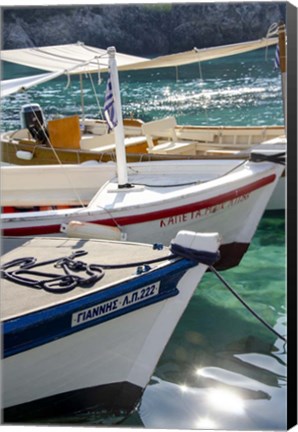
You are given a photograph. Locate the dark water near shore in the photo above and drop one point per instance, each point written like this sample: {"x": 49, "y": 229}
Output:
{"x": 222, "y": 369}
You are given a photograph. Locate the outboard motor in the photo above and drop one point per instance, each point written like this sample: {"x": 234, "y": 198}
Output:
{"x": 32, "y": 118}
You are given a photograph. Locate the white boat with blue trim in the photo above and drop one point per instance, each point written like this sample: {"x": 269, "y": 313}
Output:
{"x": 85, "y": 322}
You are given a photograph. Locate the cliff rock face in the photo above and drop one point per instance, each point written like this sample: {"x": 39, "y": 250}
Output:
{"x": 140, "y": 29}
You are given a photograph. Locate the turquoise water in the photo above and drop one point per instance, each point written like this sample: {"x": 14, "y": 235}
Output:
{"x": 222, "y": 369}
{"x": 239, "y": 90}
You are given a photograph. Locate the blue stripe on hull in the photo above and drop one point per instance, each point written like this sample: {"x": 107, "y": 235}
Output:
{"x": 38, "y": 328}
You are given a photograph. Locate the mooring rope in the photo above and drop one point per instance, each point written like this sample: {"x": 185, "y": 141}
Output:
{"x": 254, "y": 313}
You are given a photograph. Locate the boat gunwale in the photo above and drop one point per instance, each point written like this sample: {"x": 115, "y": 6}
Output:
{"x": 114, "y": 220}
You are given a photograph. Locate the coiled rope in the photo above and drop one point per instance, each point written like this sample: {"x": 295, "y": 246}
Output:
{"x": 61, "y": 283}
{"x": 69, "y": 279}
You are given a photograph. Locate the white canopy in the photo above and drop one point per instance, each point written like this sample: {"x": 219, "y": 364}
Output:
{"x": 21, "y": 84}
{"x": 204, "y": 54}
{"x": 67, "y": 57}
{"x": 72, "y": 58}
{"x": 80, "y": 58}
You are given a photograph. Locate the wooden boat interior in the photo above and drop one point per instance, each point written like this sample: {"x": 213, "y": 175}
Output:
{"x": 69, "y": 132}
{"x": 166, "y": 137}
{"x": 71, "y": 140}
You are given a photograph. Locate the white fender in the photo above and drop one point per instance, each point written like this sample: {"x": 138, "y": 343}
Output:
{"x": 25, "y": 155}
{"x": 197, "y": 241}
{"x": 87, "y": 230}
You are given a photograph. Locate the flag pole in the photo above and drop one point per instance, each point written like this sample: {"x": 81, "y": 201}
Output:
{"x": 119, "y": 129}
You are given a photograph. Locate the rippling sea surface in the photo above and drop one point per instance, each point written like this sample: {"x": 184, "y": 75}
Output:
{"x": 222, "y": 369}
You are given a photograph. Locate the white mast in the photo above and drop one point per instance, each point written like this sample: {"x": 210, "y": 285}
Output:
{"x": 119, "y": 130}
{"x": 283, "y": 67}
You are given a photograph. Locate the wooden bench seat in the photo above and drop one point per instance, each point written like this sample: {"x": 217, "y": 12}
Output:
{"x": 165, "y": 129}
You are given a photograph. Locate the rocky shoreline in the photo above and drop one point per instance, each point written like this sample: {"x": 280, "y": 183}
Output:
{"x": 140, "y": 29}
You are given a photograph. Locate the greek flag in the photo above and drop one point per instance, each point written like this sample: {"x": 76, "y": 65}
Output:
{"x": 109, "y": 106}
{"x": 276, "y": 59}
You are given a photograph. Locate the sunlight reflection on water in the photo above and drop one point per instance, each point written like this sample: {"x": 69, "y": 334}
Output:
{"x": 168, "y": 405}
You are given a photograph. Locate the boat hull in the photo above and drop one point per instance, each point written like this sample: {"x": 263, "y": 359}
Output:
{"x": 277, "y": 200}
{"x": 73, "y": 185}
{"x": 95, "y": 352}
{"x": 233, "y": 209}
{"x": 53, "y": 185}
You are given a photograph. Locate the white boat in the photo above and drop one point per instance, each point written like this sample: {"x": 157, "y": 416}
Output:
{"x": 62, "y": 186}
{"x": 79, "y": 335}
{"x": 167, "y": 196}
{"x": 53, "y": 185}
{"x": 277, "y": 200}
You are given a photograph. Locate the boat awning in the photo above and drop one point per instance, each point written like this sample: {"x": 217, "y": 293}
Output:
{"x": 204, "y": 54}
{"x": 80, "y": 58}
{"x": 72, "y": 58}
{"x": 18, "y": 85}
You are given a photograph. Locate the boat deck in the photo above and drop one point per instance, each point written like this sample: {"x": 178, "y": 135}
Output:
{"x": 17, "y": 299}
